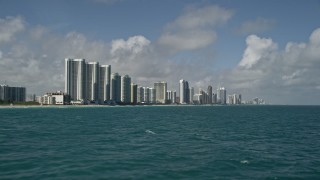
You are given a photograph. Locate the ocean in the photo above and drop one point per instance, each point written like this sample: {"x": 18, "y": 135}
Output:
{"x": 160, "y": 142}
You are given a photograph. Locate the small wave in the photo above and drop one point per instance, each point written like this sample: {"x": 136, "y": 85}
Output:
{"x": 244, "y": 162}
{"x": 150, "y": 132}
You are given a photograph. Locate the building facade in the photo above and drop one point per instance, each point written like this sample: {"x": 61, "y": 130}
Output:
{"x": 93, "y": 82}
{"x": 115, "y": 87}
{"x": 184, "y": 92}
{"x": 75, "y": 79}
{"x": 55, "y": 98}
{"x": 221, "y": 95}
{"x": 161, "y": 92}
{"x": 134, "y": 93}
{"x": 152, "y": 95}
{"x": 17, "y": 94}
{"x": 105, "y": 83}
{"x": 125, "y": 89}
{"x": 209, "y": 91}
{"x": 87, "y": 82}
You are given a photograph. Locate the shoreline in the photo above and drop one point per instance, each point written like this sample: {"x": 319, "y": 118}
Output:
{"x": 105, "y": 106}
{"x": 150, "y": 105}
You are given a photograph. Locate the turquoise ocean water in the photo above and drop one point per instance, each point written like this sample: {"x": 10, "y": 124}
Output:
{"x": 160, "y": 142}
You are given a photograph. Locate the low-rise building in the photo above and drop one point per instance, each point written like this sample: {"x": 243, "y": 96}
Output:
{"x": 55, "y": 98}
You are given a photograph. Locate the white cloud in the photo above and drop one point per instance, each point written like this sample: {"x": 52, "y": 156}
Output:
{"x": 9, "y": 26}
{"x": 281, "y": 76}
{"x": 315, "y": 37}
{"x": 256, "y": 26}
{"x": 135, "y": 44}
{"x": 36, "y": 60}
{"x": 194, "y": 29}
{"x": 257, "y": 49}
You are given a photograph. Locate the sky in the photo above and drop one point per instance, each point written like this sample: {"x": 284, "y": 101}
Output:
{"x": 266, "y": 49}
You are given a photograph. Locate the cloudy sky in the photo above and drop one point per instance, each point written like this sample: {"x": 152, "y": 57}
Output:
{"x": 266, "y": 49}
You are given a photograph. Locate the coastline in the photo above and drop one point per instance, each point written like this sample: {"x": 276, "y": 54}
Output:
{"x": 99, "y": 106}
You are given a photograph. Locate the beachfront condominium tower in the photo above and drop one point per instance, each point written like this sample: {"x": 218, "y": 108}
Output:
{"x": 146, "y": 95}
{"x": 152, "y": 95}
{"x": 221, "y": 95}
{"x": 8, "y": 93}
{"x": 125, "y": 89}
{"x": 115, "y": 87}
{"x": 140, "y": 94}
{"x": 209, "y": 94}
{"x": 75, "y": 79}
{"x": 184, "y": 91}
{"x": 191, "y": 94}
{"x": 93, "y": 81}
{"x": 171, "y": 96}
{"x": 105, "y": 78}
{"x": 134, "y": 93}
{"x": 161, "y": 91}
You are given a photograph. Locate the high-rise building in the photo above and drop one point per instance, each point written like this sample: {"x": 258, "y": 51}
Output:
{"x": 146, "y": 95}
{"x": 140, "y": 94}
{"x": 197, "y": 99}
{"x": 8, "y": 93}
{"x": 93, "y": 81}
{"x": 152, "y": 95}
{"x": 169, "y": 96}
{"x": 134, "y": 93}
{"x": 191, "y": 92}
{"x": 184, "y": 91}
{"x": 161, "y": 92}
{"x": 214, "y": 98}
{"x": 209, "y": 95}
{"x": 75, "y": 79}
{"x": 125, "y": 89}
{"x": 105, "y": 81}
{"x": 221, "y": 95}
{"x": 202, "y": 97}
{"x": 87, "y": 81}
{"x": 230, "y": 99}
{"x": 115, "y": 87}
{"x": 172, "y": 95}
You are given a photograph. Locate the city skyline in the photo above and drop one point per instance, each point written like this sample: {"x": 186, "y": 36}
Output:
{"x": 265, "y": 49}
{"x": 89, "y": 83}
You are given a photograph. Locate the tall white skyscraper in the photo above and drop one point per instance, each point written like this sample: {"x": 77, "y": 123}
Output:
{"x": 161, "y": 91}
{"x": 105, "y": 81}
{"x": 152, "y": 95}
{"x": 75, "y": 79}
{"x": 184, "y": 92}
{"x": 93, "y": 81}
{"x": 125, "y": 89}
{"x": 115, "y": 87}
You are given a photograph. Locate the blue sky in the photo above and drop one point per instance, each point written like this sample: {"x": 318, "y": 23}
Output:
{"x": 228, "y": 43}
